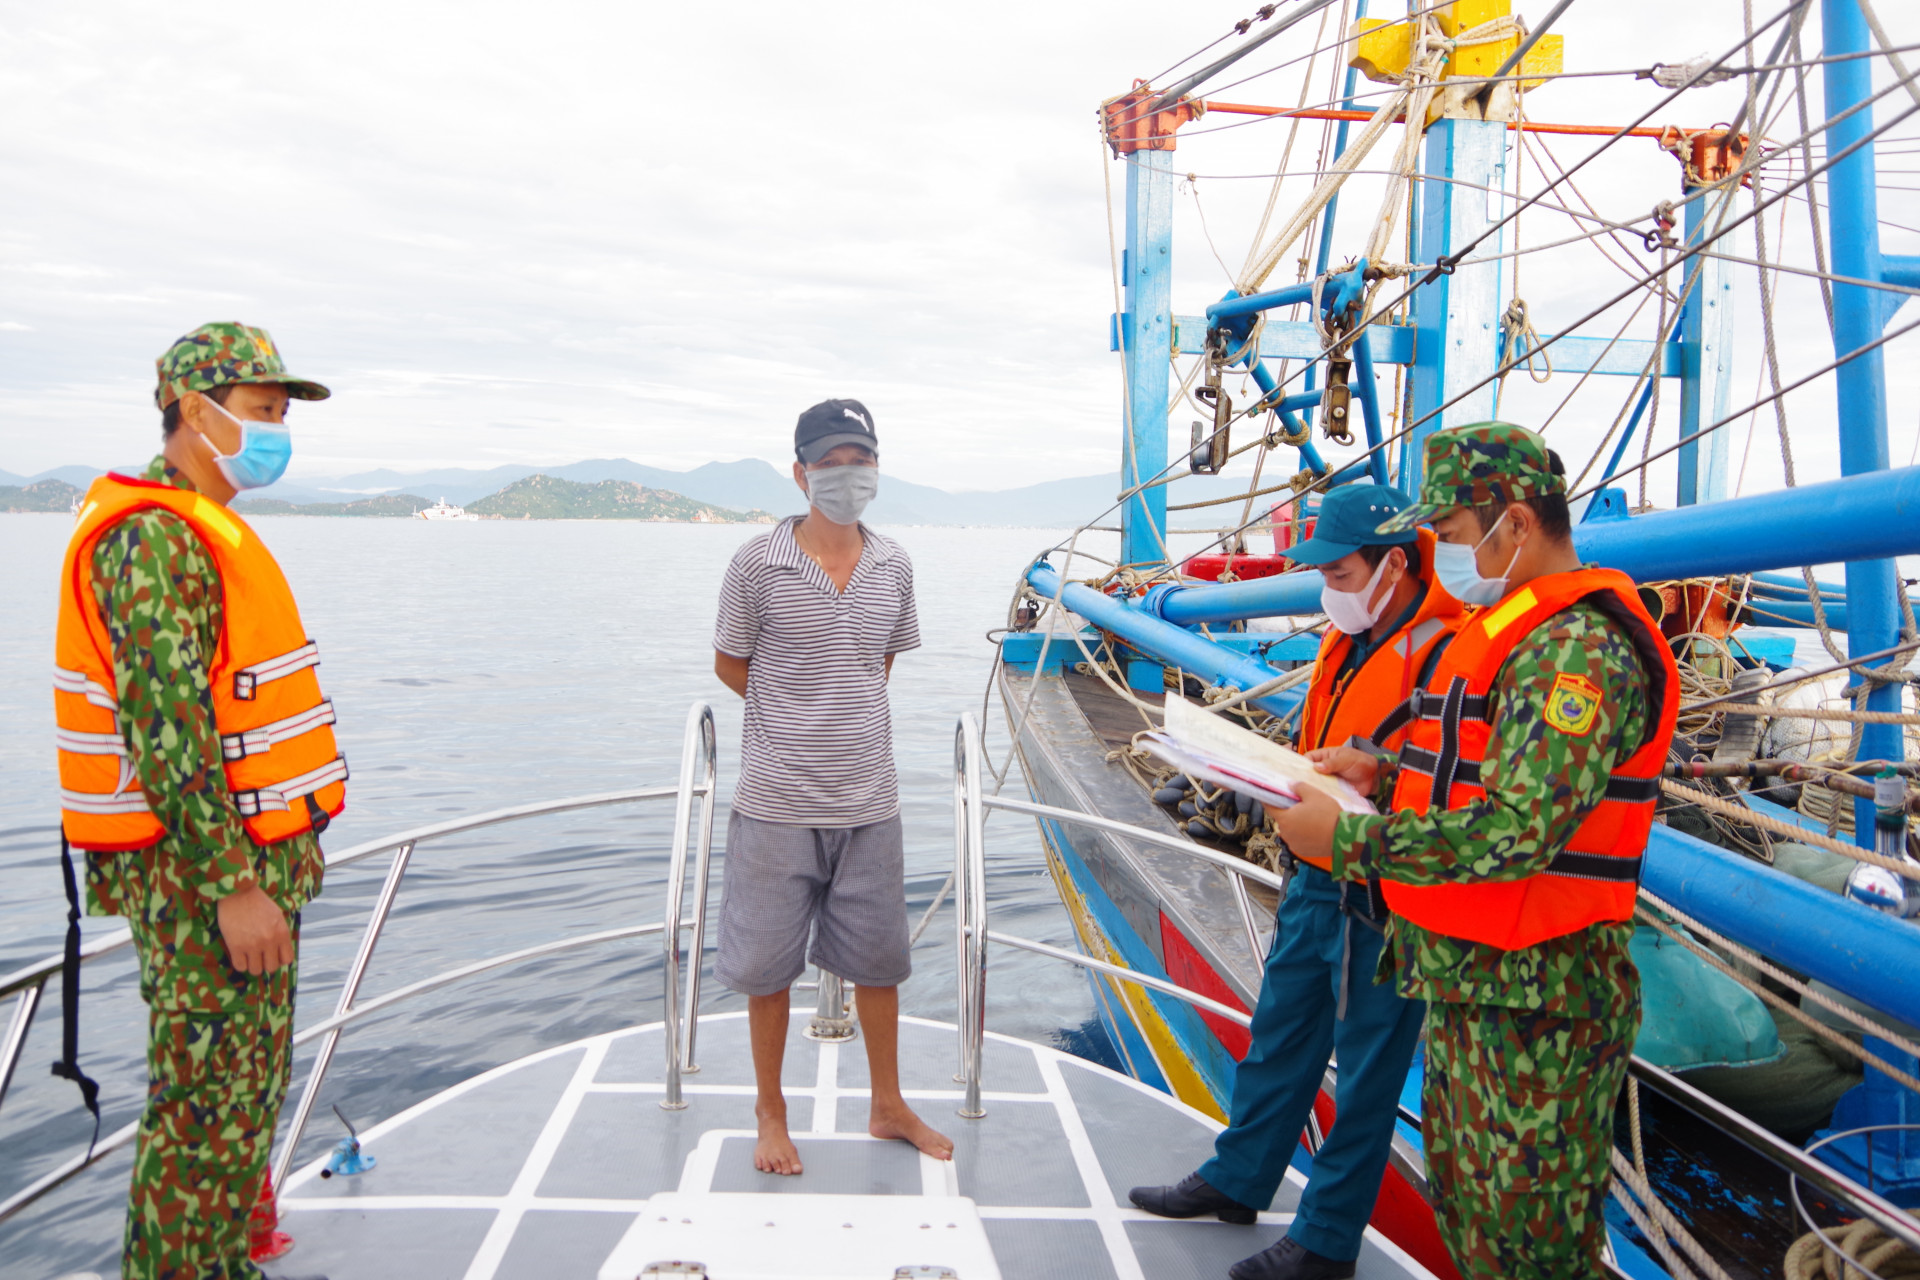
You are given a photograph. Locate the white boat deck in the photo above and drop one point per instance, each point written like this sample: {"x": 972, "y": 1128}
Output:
{"x": 564, "y": 1164}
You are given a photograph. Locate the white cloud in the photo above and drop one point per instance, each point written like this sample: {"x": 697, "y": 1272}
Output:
{"x": 660, "y": 230}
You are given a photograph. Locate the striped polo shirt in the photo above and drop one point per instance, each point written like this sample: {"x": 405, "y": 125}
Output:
{"x": 818, "y": 746}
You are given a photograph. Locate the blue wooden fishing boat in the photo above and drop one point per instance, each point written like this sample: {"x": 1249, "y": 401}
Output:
{"x": 1772, "y": 1092}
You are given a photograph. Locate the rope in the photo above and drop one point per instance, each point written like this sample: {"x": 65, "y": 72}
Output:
{"x": 1780, "y": 826}
{"x": 1824, "y": 713}
{"x": 1868, "y": 1249}
{"x": 1657, "y": 1209}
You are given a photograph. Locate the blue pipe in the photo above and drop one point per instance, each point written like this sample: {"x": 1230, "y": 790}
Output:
{"x": 1902, "y": 269}
{"x": 1856, "y": 518}
{"x": 1633, "y": 424}
{"x": 1282, "y": 594}
{"x": 1370, "y": 407}
{"x": 1170, "y": 644}
{"x": 1842, "y": 943}
{"x": 1864, "y": 517}
{"x": 1235, "y": 304}
{"x": 1268, "y": 384}
{"x": 1854, "y": 231}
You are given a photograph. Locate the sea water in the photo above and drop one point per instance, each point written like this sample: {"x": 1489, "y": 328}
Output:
{"x": 474, "y": 666}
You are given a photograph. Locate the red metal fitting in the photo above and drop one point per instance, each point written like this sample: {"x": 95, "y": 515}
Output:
{"x": 1707, "y": 156}
{"x": 1132, "y": 127}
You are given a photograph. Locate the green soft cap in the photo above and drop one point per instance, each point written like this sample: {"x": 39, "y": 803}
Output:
{"x": 1484, "y": 464}
{"x": 223, "y": 353}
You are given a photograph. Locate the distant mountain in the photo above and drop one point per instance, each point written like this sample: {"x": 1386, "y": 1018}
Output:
{"x": 544, "y": 497}
{"x": 43, "y": 495}
{"x": 387, "y": 504}
{"x": 748, "y": 484}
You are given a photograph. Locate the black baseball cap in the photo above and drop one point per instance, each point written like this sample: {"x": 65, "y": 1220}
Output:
{"x": 832, "y": 423}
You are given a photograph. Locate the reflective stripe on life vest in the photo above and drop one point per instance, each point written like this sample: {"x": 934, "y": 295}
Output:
{"x": 87, "y": 802}
{"x": 92, "y": 690}
{"x": 234, "y": 746}
{"x": 247, "y": 681}
{"x": 1593, "y": 879}
{"x": 269, "y": 799}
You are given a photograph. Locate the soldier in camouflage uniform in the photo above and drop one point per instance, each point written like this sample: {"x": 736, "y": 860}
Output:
{"x": 1527, "y": 1049}
{"x": 214, "y": 914}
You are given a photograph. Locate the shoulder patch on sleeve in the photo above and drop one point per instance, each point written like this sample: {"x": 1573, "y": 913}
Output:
{"x": 1572, "y": 703}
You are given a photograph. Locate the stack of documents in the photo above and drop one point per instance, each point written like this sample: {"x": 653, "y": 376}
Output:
{"x": 1212, "y": 748}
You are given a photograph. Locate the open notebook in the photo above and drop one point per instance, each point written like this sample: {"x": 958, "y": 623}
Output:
{"x": 1211, "y": 747}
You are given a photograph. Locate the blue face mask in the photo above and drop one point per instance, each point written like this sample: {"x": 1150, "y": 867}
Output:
{"x": 1458, "y": 571}
{"x": 265, "y": 450}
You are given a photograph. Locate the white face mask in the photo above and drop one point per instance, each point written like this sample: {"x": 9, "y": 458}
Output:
{"x": 1459, "y": 572}
{"x": 842, "y": 493}
{"x": 1348, "y": 610}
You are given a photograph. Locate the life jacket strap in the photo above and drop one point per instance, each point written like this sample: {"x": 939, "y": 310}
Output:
{"x": 1633, "y": 790}
{"x": 68, "y": 1067}
{"x": 253, "y": 742}
{"x": 272, "y": 799}
{"x": 1594, "y": 866}
{"x": 247, "y": 681}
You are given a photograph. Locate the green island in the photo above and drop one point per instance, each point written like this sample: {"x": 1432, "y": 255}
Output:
{"x": 47, "y": 495}
{"x": 542, "y": 497}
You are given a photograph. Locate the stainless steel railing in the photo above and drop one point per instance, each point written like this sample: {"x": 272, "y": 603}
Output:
{"x": 971, "y": 933}
{"x": 697, "y": 778}
{"x": 696, "y": 755}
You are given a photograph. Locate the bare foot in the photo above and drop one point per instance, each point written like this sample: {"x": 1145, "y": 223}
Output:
{"x": 899, "y": 1121}
{"x": 775, "y": 1152}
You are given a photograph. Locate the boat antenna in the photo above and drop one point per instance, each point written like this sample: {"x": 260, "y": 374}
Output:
{"x": 1186, "y": 85}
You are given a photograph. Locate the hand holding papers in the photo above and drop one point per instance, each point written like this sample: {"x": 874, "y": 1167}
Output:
{"x": 1204, "y": 745}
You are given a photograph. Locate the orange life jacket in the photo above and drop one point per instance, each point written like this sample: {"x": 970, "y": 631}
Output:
{"x": 1594, "y": 878}
{"x": 1340, "y": 707}
{"x": 283, "y": 769}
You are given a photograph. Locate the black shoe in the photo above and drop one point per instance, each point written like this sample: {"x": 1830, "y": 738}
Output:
{"x": 1190, "y": 1198}
{"x": 1288, "y": 1259}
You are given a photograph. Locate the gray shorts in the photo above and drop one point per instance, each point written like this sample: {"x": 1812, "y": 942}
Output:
{"x": 846, "y": 886}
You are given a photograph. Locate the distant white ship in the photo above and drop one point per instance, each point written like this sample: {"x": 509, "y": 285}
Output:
{"x": 442, "y": 511}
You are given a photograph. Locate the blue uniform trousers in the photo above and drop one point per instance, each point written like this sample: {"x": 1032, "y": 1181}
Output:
{"x": 1318, "y": 998}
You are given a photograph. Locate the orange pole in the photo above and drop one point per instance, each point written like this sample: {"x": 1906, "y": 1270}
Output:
{"x": 1328, "y": 113}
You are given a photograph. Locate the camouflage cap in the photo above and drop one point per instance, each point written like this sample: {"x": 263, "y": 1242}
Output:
{"x": 215, "y": 355}
{"x": 1481, "y": 465}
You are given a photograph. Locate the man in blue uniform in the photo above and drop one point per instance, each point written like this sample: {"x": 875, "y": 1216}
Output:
{"x": 1387, "y": 617}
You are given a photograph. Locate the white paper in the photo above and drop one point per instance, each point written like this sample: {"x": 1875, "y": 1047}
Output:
{"x": 1223, "y": 752}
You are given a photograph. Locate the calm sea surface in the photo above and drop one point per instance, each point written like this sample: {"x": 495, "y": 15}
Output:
{"x": 476, "y": 666}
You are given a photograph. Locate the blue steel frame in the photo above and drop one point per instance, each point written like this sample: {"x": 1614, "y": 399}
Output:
{"x": 1873, "y": 586}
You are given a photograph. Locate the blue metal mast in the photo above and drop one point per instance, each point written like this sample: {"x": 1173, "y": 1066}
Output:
{"x": 1146, "y": 336}
{"x": 1873, "y": 614}
{"x": 1706, "y": 345}
{"x": 1457, "y": 317}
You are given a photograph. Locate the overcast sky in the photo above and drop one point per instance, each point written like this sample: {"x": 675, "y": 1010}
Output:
{"x": 518, "y": 233}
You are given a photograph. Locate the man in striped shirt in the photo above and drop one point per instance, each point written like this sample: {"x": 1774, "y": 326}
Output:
{"x": 811, "y": 617}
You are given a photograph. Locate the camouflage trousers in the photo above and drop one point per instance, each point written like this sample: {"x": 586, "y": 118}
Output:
{"x": 1518, "y": 1122}
{"x": 215, "y": 1085}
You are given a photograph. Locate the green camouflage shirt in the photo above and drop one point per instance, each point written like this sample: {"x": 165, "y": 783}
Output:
{"x": 1541, "y": 783}
{"x": 157, "y": 589}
